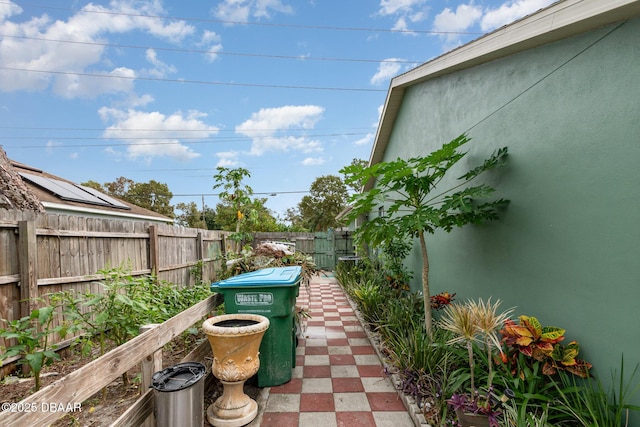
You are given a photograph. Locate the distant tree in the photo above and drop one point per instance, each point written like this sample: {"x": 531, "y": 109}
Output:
{"x": 327, "y": 198}
{"x": 359, "y": 163}
{"x": 151, "y": 195}
{"x": 190, "y": 216}
{"x": 210, "y": 218}
{"x": 94, "y": 185}
{"x": 120, "y": 187}
{"x": 294, "y": 219}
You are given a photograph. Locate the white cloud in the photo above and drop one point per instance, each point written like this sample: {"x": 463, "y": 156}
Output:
{"x": 228, "y": 159}
{"x": 386, "y": 70}
{"x": 510, "y": 11}
{"x": 366, "y": 140}
{"x": 464, "y": 17}
{"x": 160, "y": 69}
{"x": 130, "y": 17}
{"x": 211, "y": 41}
{"x": 313, "y": 161}
{"x": 9, "y": 9}
{"x": 74, "y": 86}
{"x": 136, "y": 100}
{"x": 243, "y": 10}
{"x": 85, "y": 28}
{"x": 51, "y": 145}
{"x": 400, "y": 25}
{"x": 263, "y": 8}
{"x": 404, "y": 11}
{"x": 266, "y": 129}
{"x": 155, "y": 134}
{"x": 392, "y": 7}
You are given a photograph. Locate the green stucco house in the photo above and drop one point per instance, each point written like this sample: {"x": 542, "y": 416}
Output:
{"x": 561, "y": 89}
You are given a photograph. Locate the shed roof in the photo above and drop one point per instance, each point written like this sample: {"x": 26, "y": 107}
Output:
{"x": 57, "y": 200}
{"x": 560, "y": 20}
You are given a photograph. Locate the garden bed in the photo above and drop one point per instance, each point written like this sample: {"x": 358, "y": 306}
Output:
{"x": 101, "y": 412}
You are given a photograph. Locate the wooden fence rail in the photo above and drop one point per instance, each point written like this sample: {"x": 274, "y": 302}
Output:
{"x": 71, "y": 390}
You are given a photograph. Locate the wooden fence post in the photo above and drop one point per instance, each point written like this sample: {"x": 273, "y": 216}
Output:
{"x": 154, "y": 250}
{"x": 151, "y": 364}
{"x": 27, "y": 256}
{"x": 200, "y": 253}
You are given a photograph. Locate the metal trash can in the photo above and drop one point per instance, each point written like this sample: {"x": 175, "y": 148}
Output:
{"x": 178, "y": 393}
{"x": 270, "y": 292}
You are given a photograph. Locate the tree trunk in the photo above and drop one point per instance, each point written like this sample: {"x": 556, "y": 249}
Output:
{"x": 425, "y": 283}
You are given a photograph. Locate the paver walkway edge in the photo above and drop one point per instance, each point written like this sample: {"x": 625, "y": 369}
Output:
{"x": 339, "y": 378}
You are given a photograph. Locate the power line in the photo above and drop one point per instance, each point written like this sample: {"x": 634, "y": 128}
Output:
{"x": 202, "y": 82}
{"x": 265, "y": 193}
{"x": 154, "y": 143}
{"x": 155, "y": 130}
{"x": 213, "y": 52}
{"x": 262, "y": 24}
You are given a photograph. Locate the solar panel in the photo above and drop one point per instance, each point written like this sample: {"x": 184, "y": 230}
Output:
{"x": 71, "y": 192}
{"x": 116, "y": 203}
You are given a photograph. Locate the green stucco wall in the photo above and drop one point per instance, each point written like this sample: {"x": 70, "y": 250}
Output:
{"x": 567, "y": 249}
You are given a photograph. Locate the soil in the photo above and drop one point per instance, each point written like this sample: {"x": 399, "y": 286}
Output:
{"x": 98, "y": 411}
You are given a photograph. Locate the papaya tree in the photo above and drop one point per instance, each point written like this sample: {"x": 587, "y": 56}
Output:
{"x": 235, "y": 194}
{"x": 408, "y": 199}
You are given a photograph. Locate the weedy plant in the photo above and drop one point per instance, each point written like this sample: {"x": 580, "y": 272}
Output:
{"x": 32, "y": 336}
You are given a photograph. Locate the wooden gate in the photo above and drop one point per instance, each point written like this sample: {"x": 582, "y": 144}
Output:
{"x": 324, "y": 251}
{"x": 330, "y": 246}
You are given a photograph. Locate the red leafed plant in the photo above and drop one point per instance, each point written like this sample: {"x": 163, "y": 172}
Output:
{"x": 438, "y": 302}
{"x": 530, "y": 338}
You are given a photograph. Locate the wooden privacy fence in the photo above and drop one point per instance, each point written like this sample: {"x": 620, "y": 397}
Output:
{"x": 326, "y": 247}
{"x": 71, "y": 390}
{"x": 45, "y": 253}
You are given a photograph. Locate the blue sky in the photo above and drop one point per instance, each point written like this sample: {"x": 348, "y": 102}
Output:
{"x": 168, "y": 90}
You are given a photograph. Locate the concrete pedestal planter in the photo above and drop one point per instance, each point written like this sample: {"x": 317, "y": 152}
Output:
{"x": 235, "y": 341}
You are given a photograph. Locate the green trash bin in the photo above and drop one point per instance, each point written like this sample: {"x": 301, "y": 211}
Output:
{"x": 270, "y": 292}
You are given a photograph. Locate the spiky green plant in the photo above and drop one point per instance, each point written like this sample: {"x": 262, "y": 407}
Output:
{"x": 459, "y": 319}
{"x": 475, "y": 321}
{"x": 488, "y": 322}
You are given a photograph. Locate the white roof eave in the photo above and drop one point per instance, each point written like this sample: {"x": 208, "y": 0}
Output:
{"x": 63, "y": 209}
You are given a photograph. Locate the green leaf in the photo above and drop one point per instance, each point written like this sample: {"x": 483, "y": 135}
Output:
{"x": 50, "y": 354}
{"x": 124, "y": 299}
{"x": 552, "y": 334}
{"x": 102, "y": 317}
{"x": 45, "y": 314}
{"x": 35, "y": 361}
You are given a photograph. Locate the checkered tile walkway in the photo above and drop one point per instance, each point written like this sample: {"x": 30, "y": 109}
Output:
{"x": 338, "y": 379}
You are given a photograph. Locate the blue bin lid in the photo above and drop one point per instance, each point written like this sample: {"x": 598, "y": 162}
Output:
{"x": 275, "y": 276}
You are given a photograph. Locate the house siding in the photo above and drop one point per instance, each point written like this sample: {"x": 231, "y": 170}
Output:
{"x": 567, "y": 248}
